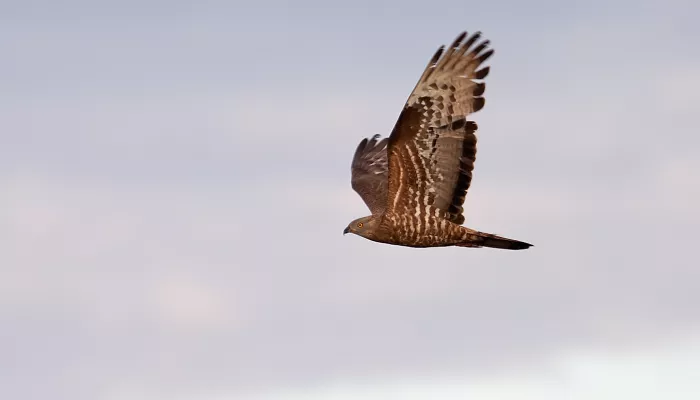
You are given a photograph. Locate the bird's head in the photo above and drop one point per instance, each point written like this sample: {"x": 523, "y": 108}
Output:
{"x": 364, "y": 227}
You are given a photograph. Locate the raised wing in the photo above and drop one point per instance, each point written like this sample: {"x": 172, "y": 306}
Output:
{"x": 433, "y": 147}
{"x": 369, "y": 173}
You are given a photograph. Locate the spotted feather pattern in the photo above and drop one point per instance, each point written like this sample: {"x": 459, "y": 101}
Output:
{"x": 415, "y": 182}
{"x": 432, "y": 148}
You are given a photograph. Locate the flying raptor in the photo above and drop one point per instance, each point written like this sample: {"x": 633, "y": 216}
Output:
{"x": 415, "y": 181}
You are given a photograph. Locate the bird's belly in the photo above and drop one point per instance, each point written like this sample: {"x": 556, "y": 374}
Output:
{"x": 433, "y": 234}
{"x": 422, "y": 241}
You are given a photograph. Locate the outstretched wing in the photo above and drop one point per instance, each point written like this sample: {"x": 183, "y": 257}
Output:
{"x": 369, "y": 173}
{"x": 433, "y": 147}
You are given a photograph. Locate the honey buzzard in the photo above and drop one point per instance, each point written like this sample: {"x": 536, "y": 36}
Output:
{"x": 415, "y": 181}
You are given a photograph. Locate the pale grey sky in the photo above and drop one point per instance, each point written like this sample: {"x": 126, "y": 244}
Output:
{"x": 176, "y": 180}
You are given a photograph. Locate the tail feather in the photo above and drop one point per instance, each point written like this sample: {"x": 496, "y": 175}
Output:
{"x": 480, "y": 239}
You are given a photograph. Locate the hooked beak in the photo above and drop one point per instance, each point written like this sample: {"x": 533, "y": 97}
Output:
{"x": 346, "y": 230}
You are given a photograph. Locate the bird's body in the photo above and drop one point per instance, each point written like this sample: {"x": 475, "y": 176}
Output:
{"x": 431, "y": 231}
{"x": 415, "y": 182}
{"x": 421, "y": 231}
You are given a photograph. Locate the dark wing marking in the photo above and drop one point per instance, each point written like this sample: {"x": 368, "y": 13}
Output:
{"x": 369, "y": 173}
{"x": 433, "y": 147}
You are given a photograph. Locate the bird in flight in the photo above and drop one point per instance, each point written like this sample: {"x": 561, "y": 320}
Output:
{"x": 415, "y": 181}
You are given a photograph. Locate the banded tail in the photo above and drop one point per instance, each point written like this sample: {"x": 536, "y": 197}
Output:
{"x": 480, "y": 239}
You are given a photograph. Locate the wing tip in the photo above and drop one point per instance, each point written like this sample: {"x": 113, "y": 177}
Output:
{"x": 458, "y": 41}
{"x": 478, "y": 104}
{"x": 436, "y": 56}
{"x": 482, "y": 73}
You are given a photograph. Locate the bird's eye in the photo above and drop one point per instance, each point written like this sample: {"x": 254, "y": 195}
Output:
{"x": 359, "y": 224}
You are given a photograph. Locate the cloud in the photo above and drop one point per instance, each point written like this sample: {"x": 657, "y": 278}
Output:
{"x": 666, "y": 369}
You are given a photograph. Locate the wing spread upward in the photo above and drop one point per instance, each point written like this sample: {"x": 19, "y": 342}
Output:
{"x": 432, "y": 148}
{"x": 369, "y": 173}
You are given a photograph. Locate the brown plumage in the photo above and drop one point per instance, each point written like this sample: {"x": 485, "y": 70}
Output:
{"x": 415, "y": 181}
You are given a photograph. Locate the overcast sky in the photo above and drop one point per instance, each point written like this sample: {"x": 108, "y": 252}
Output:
{"x": 175, "y": 181}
